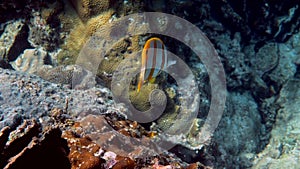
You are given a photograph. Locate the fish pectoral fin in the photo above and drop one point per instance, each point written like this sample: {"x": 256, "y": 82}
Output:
{"x": 152, "y": 79}
{"x": 171, "y": 62}
{"x": 139, "y": 86}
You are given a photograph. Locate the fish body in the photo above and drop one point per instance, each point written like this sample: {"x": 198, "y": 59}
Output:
{"x": 154, "y": 59}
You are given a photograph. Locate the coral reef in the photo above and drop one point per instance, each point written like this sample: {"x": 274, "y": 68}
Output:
{"x": 258, "y": 44}
{"x": 91, "y": 139}
{"x": 266, "y": 58}
{"x": 82, "y": 152}
{"x": 39, "y": 90}
{"x": 283, "y": 148}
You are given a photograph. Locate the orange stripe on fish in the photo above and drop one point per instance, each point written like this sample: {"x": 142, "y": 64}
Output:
{"x": 154, "y": 59}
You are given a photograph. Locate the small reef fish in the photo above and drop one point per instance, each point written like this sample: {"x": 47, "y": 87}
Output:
{"x": 154, "y": 59}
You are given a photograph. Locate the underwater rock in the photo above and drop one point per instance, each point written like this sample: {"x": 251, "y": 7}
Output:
{"x": 85, "y": 137}
{"x": 239, "y": 130}
{"x": 156, "y": 5}
{"x": 286, "y": 68}
{"x": 33, "y": 27}
{"x": 72, "y": 75}
{"x": 266, "y": 58}
{"x": 50, "y": 12}
{"x": 30, "y": 60}
{"x": 84, "y": 153}
{"x": 97, "y": 128}
{"x": 264, "y": 20}
{"x": 29, "y": 146}
{"x": 44, "y": 27}
{"x": 59, "y": 75}
{"x": 4, "y": 134}
{"x": 21, "y": 137}
{"x": 224, "y": 11}
{"x": 283, "y": 148}
{"x": 273, "y": 65}
{"x": 125, "y": 138}
{"x": 236, "y": 63}
{"x": 21, "y": 93}
{"x": 262, "y": 62}
{"x": 261, "y": 68}
{"x": 130, "y": 128}
{"x": 13, "y": 9}
{"x": 260, "y": 89}
{"x": 13, "y": 40}
{"x": 124, "y": 162}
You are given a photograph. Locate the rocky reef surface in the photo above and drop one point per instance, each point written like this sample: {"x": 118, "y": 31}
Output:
{"x": 54, "y": 110}
{"x": 35, "y": 113}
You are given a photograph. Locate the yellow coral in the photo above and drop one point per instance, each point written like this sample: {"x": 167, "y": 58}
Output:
{"x": 141, "y": 99}
{"x": 88, "y": 8}
{"x": 80, "y": 34}
{"x": 94, "y": 23}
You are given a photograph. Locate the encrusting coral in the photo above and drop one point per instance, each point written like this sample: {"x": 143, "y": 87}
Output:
{"x": 88, "y": 8}
{"x": 97, "y": 129}
{"x": 141, "y": 99}
{"x": 93, "y": 14}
